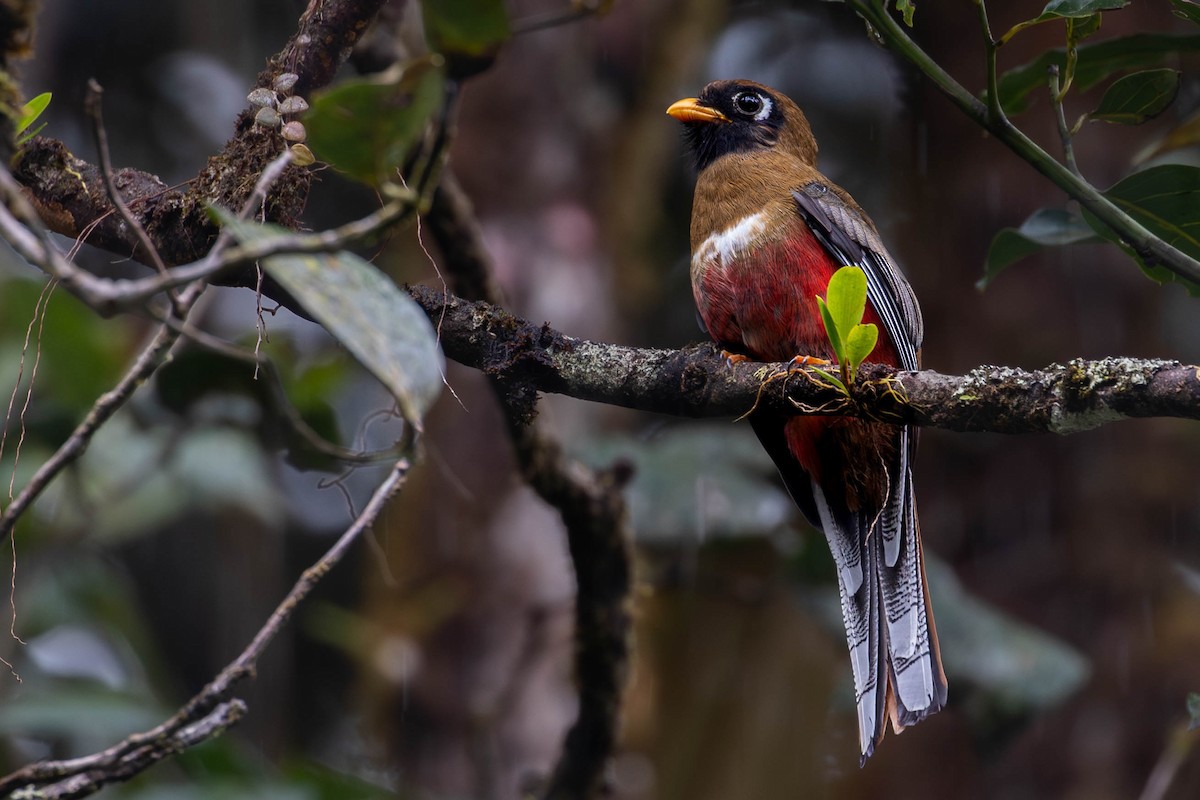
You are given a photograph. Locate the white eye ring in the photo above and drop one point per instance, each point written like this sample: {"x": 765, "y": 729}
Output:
{"x": 765, "y": 111}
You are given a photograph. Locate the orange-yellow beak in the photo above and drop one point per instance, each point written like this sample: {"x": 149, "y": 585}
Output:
{"x": 689, "y": 109}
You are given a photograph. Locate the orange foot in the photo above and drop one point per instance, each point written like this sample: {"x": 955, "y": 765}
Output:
{"x": 734, "y": 358}
{"x": 808, "y": 361}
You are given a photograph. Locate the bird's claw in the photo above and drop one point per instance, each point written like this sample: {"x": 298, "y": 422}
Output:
{"x": 733, "y": 358}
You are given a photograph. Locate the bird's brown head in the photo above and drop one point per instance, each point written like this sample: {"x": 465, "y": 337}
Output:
{"x": 741, "y": 116}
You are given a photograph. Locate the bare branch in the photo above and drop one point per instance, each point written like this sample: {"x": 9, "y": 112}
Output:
{"x": 209, "y": 713}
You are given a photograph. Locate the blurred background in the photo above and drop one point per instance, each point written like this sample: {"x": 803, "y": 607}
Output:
{"x": 436, "y": 663}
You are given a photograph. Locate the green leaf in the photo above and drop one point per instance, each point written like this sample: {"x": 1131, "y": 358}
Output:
{"x": 29, "y": 114}
{"x": 907, "y": 8}
{"x": 859, "y": 345}
{"x": 1095, "y": 63}
{"x": 1164, "y": 200}
{"x": 841, "y": 312}
{"x": 465, "y": 27}
{"x": 96, "y": 350}
{"x": 1139, "y": 97}
{"x": 1083, "y": 17}
{"x": 833, "y": 379}
{"x": 319, "y": 782}
{"x": 1193, "y": 709}
{"x": 847, "y": 298}
{"x": 200, "y": 381}
{"x": 1046, "y": 227}
{"x": 363, "y": 309}
{"x": 368, "y": 127}
{"x": 468, "y": 33}
{"x": 1188, "y": 9}
{"x": 150, "y": 478}
{"x": 1079, "y": 28}
{"x": 831, "y": 329}
{"x": 1081, "y": 8}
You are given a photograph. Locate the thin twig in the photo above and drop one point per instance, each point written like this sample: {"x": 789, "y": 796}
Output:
{"x": 1064, "y": 133}
{"x": 1180, "y": 744}
{"x": 67, "y": 780}
{"x": 269, "y": 374}
{"x": 144, "y": 365}
{"x": 149, "y": 360}
{"x": 20, "y": 225}
{"x": 994, "y": 109}
{"x": 205, "y": 715}
{"x": 93, "y": 104}
{"x": 552, "y": 19}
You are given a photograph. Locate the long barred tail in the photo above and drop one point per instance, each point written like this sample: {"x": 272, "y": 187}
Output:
{"x": 885, "y": 607}
{"x": 890, "y": 632}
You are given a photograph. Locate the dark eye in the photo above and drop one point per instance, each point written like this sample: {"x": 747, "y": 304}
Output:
{"x": 748, "y": 103}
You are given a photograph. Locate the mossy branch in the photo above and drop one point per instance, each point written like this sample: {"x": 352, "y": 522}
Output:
{"x": 699, "y": 382}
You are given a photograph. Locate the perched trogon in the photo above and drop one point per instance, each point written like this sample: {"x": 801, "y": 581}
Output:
{"x": 768, "y": 231}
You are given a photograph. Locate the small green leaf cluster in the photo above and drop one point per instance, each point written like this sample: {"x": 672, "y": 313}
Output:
{"x": 842, "y": 311}
{"x": 1161, "y": 197}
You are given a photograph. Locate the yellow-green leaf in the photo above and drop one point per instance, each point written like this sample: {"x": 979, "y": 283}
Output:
{"x": 847, "y": 298}
{"x": 29, "y": 114}
{"x": 831, "y": 330}
{"x": 859, "y": 344}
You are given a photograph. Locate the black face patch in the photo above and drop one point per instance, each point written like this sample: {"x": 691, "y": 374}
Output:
{"x": 755, "y": 120}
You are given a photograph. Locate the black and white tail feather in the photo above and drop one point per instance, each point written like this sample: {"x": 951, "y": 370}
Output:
{"x": 889, "y": 624}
